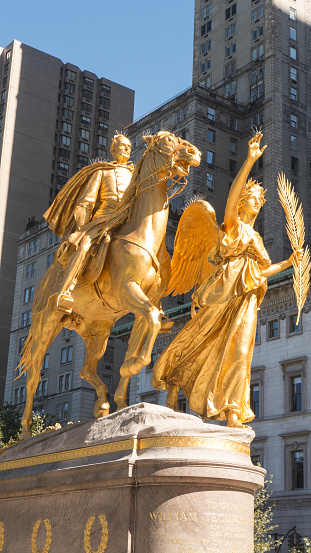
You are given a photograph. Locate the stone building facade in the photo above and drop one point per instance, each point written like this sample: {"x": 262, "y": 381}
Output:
{"x": 53, "y": 119}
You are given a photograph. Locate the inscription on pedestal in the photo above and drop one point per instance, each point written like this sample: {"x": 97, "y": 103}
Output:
{"x": 220, "y": 527}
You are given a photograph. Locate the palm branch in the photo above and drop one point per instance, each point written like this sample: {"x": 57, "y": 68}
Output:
{"x": 296, "y": 233}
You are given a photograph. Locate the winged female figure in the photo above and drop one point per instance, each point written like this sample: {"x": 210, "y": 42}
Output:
{"x": 210, "y": 358}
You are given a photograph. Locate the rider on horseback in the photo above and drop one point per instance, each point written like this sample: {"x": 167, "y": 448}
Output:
{"x": 92, "y": 200}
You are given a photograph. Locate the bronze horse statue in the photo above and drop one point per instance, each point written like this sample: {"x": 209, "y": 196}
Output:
{"x": 134, "y": 278}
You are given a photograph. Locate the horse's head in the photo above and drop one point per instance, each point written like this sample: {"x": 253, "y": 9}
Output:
{"x": 174, "y": 153}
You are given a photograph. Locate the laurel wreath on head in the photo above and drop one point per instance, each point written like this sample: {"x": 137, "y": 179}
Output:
{"x": 1, "y": 536}
{"x": 87, "y": 535}
{"x": 48, "y": 539}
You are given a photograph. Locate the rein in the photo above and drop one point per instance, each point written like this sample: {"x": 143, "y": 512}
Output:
{"x": 166, "y": 166}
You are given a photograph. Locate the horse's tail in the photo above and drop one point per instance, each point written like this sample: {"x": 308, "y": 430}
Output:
{"x": 25, "y": 361}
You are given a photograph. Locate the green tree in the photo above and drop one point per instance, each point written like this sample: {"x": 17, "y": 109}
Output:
{"x": 263, "y": 520}
{"x": 10, "y": 422}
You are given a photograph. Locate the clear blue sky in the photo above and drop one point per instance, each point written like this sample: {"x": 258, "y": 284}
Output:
{"x": 143, "y": 44}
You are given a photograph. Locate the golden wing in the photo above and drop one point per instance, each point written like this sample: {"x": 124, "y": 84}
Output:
{"x": 196, "y": 235}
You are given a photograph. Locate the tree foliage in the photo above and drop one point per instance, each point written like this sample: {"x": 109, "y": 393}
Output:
{"x": 263, "y": 520}
{"x": 10, "y": 423}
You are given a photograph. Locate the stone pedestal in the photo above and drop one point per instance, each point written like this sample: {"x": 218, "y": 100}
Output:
{"x": 144, "y": 480}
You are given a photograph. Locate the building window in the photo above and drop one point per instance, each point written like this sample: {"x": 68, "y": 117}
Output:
{"x": 233, "y": 146}
{"x": 101, "y": 153}
{"x": 204, "y": 67}
{"x": 86, "y": 107}
{"x": 294, "y": 142}
{"x": 293, "y": 74}
{"x": 104, "y": 102}
{"x": 273, "y": 329}
{"x": 206, "y": 28}
{"x": 88, "y": 82}
{"x": 31, "y": 270}
{"x": 293, "y": 328}
{"x": 87, "y": 94}
{"x": 66, "y": 140}
{"x": 293, "y": 93}
{"x": 83, "y": 133}
{"x": 103, "y": 114}
{"x": 210, "y": 181}
{"x": 233, "y": 123}
{"x": 67, "y": 333}
{"x": 85, "y": 120}
{"x": 105, "y": 88}
{"x": 257, "y": 32}
{"x": 257, "y": 120}
{"x": 211, "y": 136}
{"x": 50, "y": 260}
{"x": 62, "y": 166}
{"x": 181, "y": 115}
{"x": 292, "y": 14}
{"x": 70, "y": 74}
{"x": 211, "y": 114}
{"x": 26, "y": 319}
{"x": 230, "y": 31}
{"x": 230, "y": 12}
{"x": 64, "y": 382}
{"x": 33, "y": 246}
{"x": 83, "y": 147}
{"x": 45, "y": 364}
{"x": 230, "y": 68}
{"x": 297, "y": 463}
{"x": 294, "y": 374}
{"x": 16, "y": 395}
{"x": 206, "y": 83}
{"x": 232, "y": 166}
{"x": 206, "y": 46}
{"x": 68, "y": 100}
{"x": 255, "y": 399}
{"x": 66, "y": 355}
{"x": 8, "y": 55}
{"x": 210, "y": 158}
{"x": 82, "y": 160}
{"x": 102, "y": 127}
{"x": 230, "y": 89}
{"x": 68, "y": 113}
{"x": 294, "y": 165}
{"x": 70, "y": 87}
{"x": 293, "y": 53}
{"x": 67, "y": 127}
{"x": 292, "y": 33}
{"x": 206, "y": 11}
{"x": 102, "y": 140}
{"x": 296, "y": 398}
{"x": 28, "y": 294}
{"x": 257, "y": 13}
{"x": 177, "y": 203}
{"x": 22, "y": 341}
{"x": 182, "y": 405}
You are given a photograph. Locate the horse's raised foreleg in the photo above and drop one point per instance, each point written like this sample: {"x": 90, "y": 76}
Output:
{"x": 95, "y": 336}
{"x": 139, "y": 303}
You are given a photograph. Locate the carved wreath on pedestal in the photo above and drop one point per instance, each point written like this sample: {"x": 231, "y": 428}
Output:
{"x": 48, "y": 538}
{"x": 87, "y": 535}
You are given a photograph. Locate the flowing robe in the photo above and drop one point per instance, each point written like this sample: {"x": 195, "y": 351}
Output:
{"x": 210, "y": 358}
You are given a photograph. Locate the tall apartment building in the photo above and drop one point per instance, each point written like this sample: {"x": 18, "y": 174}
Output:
{"x": 61, "y": 393}
{"x": 53, "y": 119}
{"x": 257, "y": 52}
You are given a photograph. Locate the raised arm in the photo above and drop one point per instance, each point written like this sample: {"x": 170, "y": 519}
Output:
{"x": 231, "y": 213}
{"x": 282, "y": 265}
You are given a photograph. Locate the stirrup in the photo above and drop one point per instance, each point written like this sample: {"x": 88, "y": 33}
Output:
{"x": 64, "y": 304}
{"x": 167, "y": 325}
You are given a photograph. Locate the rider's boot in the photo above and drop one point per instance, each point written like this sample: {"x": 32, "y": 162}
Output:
{"x": 65, "y": 300}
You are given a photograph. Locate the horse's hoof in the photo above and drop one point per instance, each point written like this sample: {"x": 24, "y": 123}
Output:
{"x": 101, "y": 410}
{"x": 24, "y": 435}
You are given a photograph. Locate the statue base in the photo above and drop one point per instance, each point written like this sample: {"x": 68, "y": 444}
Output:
{"x": 145, "y": 479}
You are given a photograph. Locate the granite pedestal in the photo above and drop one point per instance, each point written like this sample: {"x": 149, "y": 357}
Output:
{"x": 144, "y": 480}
